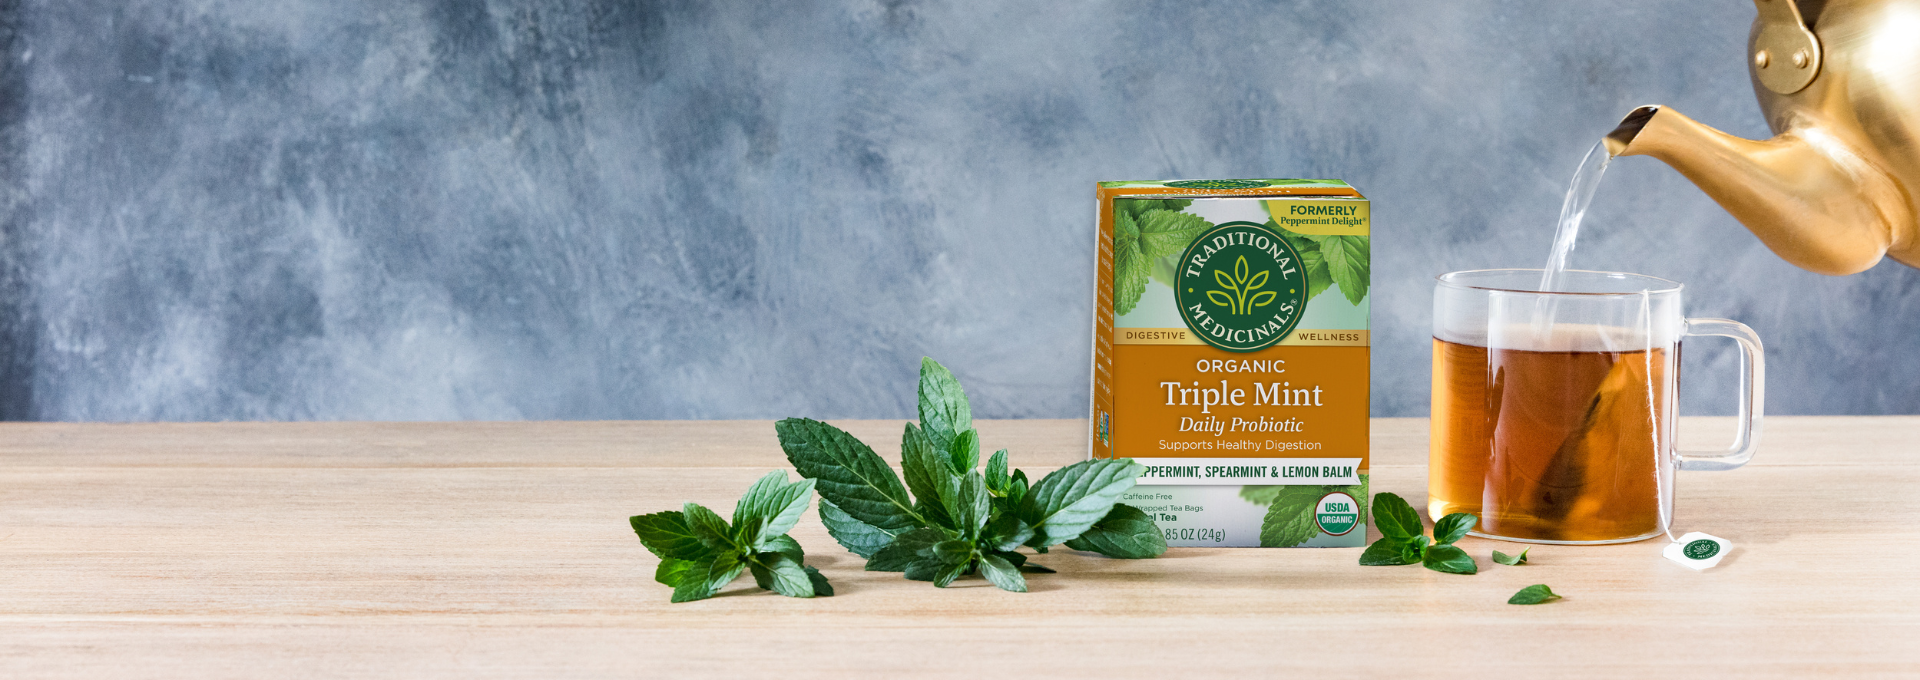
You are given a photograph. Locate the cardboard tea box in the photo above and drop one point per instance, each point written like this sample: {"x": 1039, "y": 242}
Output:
{"x": 1230, "y": 357}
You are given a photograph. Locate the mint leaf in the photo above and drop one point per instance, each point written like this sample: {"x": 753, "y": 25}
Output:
{"x": 1131, "y": 270}
{"x": 706, "y": 577}
{"x": 821, "y": 588}
{"x": 997, "y": 478}
{"x": 1396, "y": 519}
{"x": 925, "y": 568}
{"x": 927, "y": 470}
{"x": 906, "y": 550}
{"x": 849, "y": 474}
{"x": 1386, "y": 552}
{"x": 944, "y": 413}
{"x": 1007, "y": 533}
{"x": 1533, "y": 594}
{"x": 964, "y": 452}
{"x": 1290, "y": 518}
{"x": 1312, "y": 261}
{"x": 756, "y": 542}
{"x": 1166, "y": 232}
{"x": 774, "y": 506}
{"x": 1510, "y": 560}
{"x": 1138, "y": 206}
{"x": 968, "y": 502}
{"x": 667, "y": 536}
{"x": 1453, "y": 527}
{"x": 1449, "y": 559}
{"x": 1002, "y": 573}
{"x": 946, "y": 575}
{"x": 712, "y": 531}
{"x": 859, "y": 538}
{"x": 750, "y": 510}
{"x": 1347, "y": 261}
{"x": 1126, "y": 533}
{"x": 1020, "y": 562}
{"x": 789, "y": 577}
{"x": 1071, "y": 499}
{"x": 785, "y": 545}
{"x": 671, "y": 570}
{"x": 953, "y": 552}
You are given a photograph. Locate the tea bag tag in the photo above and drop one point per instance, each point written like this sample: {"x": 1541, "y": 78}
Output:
{"x": 1697, "y": 551}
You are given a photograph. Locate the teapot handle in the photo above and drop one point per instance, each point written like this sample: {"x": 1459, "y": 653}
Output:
{"x": 1753, "y": 384}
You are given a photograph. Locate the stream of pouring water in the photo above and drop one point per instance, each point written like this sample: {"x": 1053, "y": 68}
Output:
{"x": 1579, "y": 196}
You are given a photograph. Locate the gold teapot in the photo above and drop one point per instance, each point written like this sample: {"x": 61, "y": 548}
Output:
{"x": 1838, "y": 185}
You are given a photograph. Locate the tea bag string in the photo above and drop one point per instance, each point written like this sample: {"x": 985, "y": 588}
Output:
{"x": 1660, "y": 455}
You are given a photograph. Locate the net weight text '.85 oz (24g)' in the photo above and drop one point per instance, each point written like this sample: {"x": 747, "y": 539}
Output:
{"x": 1195, "y": 534}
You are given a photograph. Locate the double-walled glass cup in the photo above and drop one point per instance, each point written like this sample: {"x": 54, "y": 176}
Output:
{"x": 1553, "y": 413}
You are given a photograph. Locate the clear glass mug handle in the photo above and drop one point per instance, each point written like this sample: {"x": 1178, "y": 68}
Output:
{"x": 1753, "y": 385}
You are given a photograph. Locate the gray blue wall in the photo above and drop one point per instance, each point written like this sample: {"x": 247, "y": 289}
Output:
{"x": 472, "y": 209}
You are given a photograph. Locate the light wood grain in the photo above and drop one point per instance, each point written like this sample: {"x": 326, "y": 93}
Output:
{"x": 501, "y": 550}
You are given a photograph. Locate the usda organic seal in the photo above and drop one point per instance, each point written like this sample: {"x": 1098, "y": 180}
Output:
{"x": 1337, "y": 513}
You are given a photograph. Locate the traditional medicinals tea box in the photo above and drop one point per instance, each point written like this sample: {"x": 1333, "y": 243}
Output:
{"x": 1230, "y": 357}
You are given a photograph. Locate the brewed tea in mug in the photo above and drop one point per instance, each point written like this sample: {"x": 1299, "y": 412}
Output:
{"x": 1553, "y": 412}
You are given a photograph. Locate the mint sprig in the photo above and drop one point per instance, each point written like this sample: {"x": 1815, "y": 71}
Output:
{"x": 700, "y": 553}
{"x": 1404, "y": 541}
{"x": 950, "y": 518}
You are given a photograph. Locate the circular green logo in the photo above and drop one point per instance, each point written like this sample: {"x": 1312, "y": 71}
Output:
{"x": 1241, "y": 287}
{"x": 1701, "y": 549}
{"x": 1337, "y": 513}
{"x": 1218, "y": 184}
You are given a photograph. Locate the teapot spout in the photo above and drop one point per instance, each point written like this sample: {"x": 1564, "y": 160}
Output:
{"x": 1810, "y": 198}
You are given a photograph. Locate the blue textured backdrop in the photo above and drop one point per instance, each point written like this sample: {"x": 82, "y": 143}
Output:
{"x": 333, "y": 209}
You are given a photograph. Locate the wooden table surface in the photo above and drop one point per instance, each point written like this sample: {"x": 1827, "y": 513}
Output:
{"x": 253, "y": 550}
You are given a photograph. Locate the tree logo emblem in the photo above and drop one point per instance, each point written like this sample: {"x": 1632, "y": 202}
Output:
{"x": 1241, "y": 287}
{"x": 1219, "y": 184}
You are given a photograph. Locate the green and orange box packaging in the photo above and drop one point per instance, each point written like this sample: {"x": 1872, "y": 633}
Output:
{"x": 1230, "y": 357}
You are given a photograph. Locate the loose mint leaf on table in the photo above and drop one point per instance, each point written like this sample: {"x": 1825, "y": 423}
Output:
{"x": 1511, "y": 560}
{"x": 1126, "y": 532}
{"x": 1453, "y": 527}
{"x": 1533, "y": 594}
{"x": 949, "y": 519}
{"x": 700, "y": 553}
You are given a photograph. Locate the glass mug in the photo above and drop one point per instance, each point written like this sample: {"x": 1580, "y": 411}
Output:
{"x": 1553, "y": 413}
